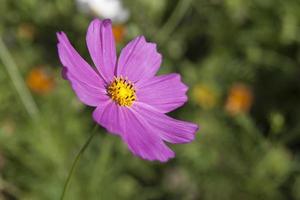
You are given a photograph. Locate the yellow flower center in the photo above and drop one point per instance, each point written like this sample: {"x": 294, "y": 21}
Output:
{"x": 122, "y": 91}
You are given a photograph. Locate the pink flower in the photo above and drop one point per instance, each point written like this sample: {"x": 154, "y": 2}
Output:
{"x": 130, "y": 100}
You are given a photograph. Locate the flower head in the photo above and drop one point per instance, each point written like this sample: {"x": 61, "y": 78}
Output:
{"x": 239, "y": 99}
{"x": 130, "y": 100}
{"x": 112, "y": 9}
{"x": 40, "y": 81}
{"x": 26, "y": 31}
{"x": 119, "y": 32}
{"x": 205, "y": 96}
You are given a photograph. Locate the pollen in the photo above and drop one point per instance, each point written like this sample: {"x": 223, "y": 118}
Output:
{"x": 122, "y": 91}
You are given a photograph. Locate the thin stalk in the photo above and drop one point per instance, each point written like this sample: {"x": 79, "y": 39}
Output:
{"x": 17, "y": 80}
{"x": 75, "y": 162}
{"x": 173, "y": 20}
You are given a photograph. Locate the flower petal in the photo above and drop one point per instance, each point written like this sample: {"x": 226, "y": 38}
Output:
{"x": 110, "y": 116}
{"x": 142, "y": 141}
{"x": 139, "y": 60}
{"x": 101, "y": 45}
{"x": 86, "y": 83}
{"x": 167, "y": 128}
{"x": 164, "y": 92}
{"x": 89, "y": 95}
{"x": 134, "y": 130}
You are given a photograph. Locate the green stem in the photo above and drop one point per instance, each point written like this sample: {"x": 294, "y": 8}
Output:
{"x": 17, "y": 80}
{"x": 173, "y": 20}
{"x": 83, "y": 148}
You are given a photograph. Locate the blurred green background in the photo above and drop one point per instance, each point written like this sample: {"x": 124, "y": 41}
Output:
{"x": 241, "y": 60}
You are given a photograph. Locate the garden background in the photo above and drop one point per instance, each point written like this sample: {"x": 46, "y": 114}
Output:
{"x": 240, "y": 59}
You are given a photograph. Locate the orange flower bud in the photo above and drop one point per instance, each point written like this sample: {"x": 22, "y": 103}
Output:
{"x": 40, "y": 81}
{"x": 119, "y": 32}
{"x": 239, "y": 99}
{"x": 26, "y": 31}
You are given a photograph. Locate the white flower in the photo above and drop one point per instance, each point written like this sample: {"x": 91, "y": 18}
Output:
{"x": 112, "y": 9}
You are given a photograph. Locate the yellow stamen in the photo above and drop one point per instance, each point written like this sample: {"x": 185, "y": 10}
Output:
{"x": 122, "y": 91}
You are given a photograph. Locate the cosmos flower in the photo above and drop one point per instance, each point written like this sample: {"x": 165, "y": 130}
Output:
{"x": 130, "y": 100}
{"x": 112, "y": 9}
